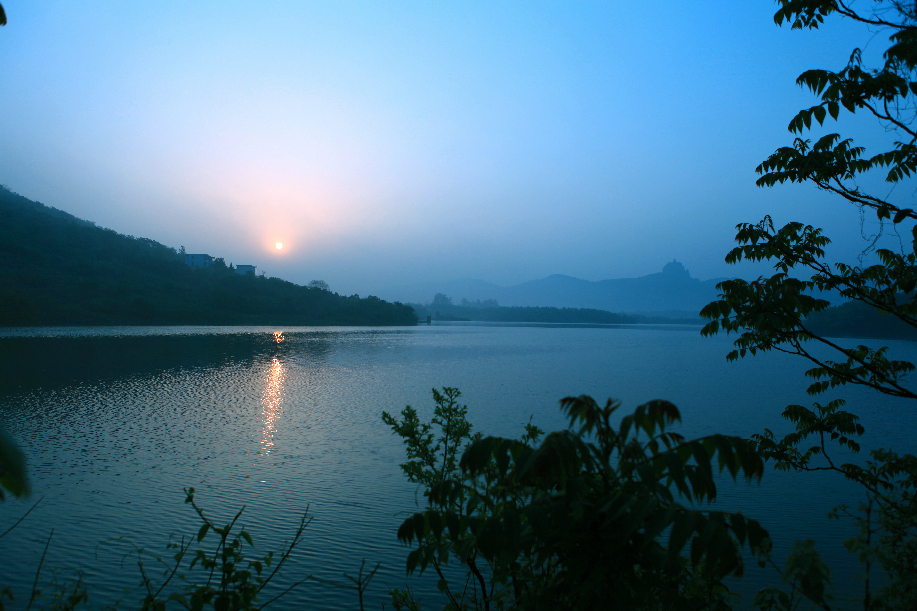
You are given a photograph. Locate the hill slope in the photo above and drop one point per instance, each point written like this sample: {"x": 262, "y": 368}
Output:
{"x": 856, "y": 319}
{"x": 56, "y": 269}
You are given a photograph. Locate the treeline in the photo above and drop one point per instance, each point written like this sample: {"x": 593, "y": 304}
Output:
{"x": 442, "y": 308}
{"x": 853, "y": 319}
{"x": 56, "y": 269}
{"x": 856, "y": 319}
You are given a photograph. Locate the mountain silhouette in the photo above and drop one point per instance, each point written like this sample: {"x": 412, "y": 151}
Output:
{"x": 672, "y": 289}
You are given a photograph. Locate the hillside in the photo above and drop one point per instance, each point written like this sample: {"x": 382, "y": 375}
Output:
{"x": 856, "y": 319}
{"x": 56, "y": 269}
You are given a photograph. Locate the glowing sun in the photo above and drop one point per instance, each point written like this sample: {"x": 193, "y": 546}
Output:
{"x": 279, "y": 245}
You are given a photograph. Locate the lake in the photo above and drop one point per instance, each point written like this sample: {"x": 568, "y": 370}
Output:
{"x": 115, "y": 422}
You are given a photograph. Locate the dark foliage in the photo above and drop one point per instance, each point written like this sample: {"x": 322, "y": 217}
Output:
{"x": 594, "y": 515}
{"x": 784, "y": 313}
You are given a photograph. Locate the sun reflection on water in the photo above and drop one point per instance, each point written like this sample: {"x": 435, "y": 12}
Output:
{"x": 270, "y": 405}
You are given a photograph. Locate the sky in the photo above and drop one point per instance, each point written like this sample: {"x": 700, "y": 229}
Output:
{"x": 393, "y": 143}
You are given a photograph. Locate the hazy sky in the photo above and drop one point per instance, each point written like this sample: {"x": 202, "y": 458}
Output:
{"x": 398, "y": 142}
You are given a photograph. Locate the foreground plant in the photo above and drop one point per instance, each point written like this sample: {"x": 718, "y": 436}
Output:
{"x": 233, "y": 582}
{"x": 12, "y": 468}
{"x": 196, "y": 575}
{"x": 589, "y": 515}
{"x": 774, "y": 313}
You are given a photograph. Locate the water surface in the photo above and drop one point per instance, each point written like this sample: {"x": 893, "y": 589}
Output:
{"x": 116, "y": 421}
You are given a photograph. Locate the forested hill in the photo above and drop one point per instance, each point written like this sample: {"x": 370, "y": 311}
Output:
{"x": 56, "y": 269}
{"x": 857, "y": 319}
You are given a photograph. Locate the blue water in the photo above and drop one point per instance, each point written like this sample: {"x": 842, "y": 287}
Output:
{"x": 115, "y": 422}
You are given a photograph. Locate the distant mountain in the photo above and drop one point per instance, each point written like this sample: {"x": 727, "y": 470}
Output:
{"x": 56, "y": 269}
{"x": 671, "y": 290}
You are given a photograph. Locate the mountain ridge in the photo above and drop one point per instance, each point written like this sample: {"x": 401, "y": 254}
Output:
{"x": 672, "y": 289}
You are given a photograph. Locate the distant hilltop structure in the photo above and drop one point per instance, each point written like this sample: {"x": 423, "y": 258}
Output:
{"x": 670, "y": 289}
{"x": 204, "y": 260}
{"x": 675, "y": 268}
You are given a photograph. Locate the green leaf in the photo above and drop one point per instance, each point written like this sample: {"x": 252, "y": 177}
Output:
{"x": 12, "y": 468}
{"x": 179, "y": 598}
{"x": 820, "y": 114}
{"x": 903, "y": 214}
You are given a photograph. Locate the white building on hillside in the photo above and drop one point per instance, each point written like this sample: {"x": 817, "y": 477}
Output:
{"x": 246, "y": 269}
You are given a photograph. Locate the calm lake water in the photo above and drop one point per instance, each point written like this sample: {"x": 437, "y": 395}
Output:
{"x": 116, "y": 421}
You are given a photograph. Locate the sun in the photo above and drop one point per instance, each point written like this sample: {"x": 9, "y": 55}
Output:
{"x": 279, "y": 245}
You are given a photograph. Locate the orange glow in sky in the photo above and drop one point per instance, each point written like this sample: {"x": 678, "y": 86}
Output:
{"x": 482, "y": 137}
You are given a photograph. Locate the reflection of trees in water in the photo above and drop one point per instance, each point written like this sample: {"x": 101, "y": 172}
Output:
{"x": 47, "y": 362}
{"x": 317, "y": 346}
{"x": 271, "y": 405}
{"x": 50, "y": 362}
